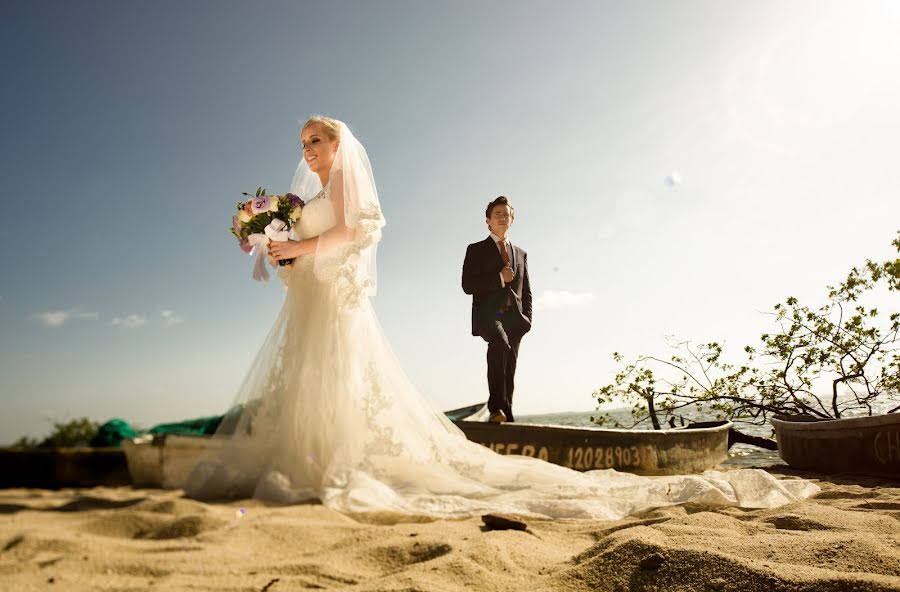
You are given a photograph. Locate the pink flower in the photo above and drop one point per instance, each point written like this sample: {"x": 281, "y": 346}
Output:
{"x": 245, "y": 245}
{"x": 236, "y": 225}
{"x": 260, "y": 204}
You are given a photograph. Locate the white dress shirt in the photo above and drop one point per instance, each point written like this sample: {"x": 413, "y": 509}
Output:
{"x": 509, "y": 250}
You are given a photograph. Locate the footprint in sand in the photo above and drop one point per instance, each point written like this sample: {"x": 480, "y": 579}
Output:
{"x": 404, "y": 554}
{"x": 877, "y": 506}
{"x": 313, "y": 570}
{"x": 150, "y": 525}
{"x": 796, "y": 523}
{"x": 176, "y": 507}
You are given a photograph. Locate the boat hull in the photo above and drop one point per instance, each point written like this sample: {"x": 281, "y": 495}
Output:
{"x": 860, "y": 445}
{"x": 644, "y": 452}
{"x": 53, "y": 468}
{"x": 166, "y": 460}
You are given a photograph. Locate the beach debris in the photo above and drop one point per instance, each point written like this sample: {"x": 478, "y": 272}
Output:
{"x": 653, "y": 561}
{"x": 499, "y": 522}
{"x": 239, "y": 513}
{"x": 269, "y": 585}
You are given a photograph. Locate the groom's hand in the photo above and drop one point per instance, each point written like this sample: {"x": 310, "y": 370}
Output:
{"x": 507, "y": 273}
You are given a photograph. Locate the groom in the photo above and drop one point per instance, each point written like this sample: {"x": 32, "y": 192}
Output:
{"x": 495, "y": 273}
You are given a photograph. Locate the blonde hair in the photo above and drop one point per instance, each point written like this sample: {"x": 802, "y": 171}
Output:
{"x": 332, "y": 126}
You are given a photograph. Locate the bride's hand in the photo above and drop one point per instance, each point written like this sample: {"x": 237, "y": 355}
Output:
{"x": 286, "y": 249}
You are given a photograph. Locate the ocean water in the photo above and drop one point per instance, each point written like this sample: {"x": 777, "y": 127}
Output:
{"x": 740, "y": 455}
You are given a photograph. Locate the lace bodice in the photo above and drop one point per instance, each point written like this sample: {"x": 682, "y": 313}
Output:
{"x": 317, "y": 216}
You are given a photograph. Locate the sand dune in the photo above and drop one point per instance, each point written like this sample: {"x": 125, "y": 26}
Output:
{"x": 846, "y": 538}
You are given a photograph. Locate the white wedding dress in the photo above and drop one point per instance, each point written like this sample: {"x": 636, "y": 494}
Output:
{"x": 327, "y": 412}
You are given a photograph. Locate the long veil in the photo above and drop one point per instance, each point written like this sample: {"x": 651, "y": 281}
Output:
{"x": 327, "y": 412}
{"x": 345, "y": 254}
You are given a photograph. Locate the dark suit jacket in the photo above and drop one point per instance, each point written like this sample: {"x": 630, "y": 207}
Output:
{"x": 481, "y": 279}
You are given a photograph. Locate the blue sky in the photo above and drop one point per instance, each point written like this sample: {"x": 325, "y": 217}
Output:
{"x": 130, "y": 128}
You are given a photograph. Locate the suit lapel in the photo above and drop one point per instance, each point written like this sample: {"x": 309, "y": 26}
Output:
{"x": 514, "y": 253}
{"x": 490, "y": 244}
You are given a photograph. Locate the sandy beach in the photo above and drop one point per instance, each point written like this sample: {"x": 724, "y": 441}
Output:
{"x": 845, "y": 538}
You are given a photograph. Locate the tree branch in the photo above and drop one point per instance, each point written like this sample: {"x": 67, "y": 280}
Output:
{"x": 834, "y": 405}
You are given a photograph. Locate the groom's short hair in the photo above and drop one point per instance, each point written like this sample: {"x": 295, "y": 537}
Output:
{"x": 500, "y": 201}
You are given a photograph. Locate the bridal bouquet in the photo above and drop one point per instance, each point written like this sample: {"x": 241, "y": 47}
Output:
{"x": 262, "y": 218}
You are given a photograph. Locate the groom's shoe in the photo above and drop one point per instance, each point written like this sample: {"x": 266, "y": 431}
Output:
{"x": 497, "y": 416}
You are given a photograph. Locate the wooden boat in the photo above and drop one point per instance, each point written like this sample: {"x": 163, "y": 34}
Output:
{"x": 867, "y": 445}
{"x": 693, "y": 449}
{"x": 165, "y": 460}
{"x": 52, "y": 468}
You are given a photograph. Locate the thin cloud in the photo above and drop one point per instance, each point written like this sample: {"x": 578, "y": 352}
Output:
{"x": 169, "y": 318}
{"x": 54, "y": 318}
{"x": 554, "y": 299}
{"x": 57, "y": 318}
{"x": 132, "y": 321}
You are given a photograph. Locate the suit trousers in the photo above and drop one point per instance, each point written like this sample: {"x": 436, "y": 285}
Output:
{"x": 503, "y": 337}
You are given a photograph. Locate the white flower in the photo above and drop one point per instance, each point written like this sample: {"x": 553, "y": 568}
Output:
{"x": 244, "y": 216}
{"x": 273, "y": 205}
{"x": 295, "y": 214}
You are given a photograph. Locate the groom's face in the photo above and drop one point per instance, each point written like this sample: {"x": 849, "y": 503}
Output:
{"x": 501, "y": 219}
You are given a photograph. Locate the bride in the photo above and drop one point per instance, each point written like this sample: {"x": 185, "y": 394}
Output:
{"x": 326, "y": 411}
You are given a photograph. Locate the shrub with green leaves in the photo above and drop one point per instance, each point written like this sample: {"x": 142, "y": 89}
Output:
{"x": 852, "y": 348}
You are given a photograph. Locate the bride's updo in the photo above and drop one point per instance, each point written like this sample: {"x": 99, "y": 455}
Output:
{"x": 332, "y": 126}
